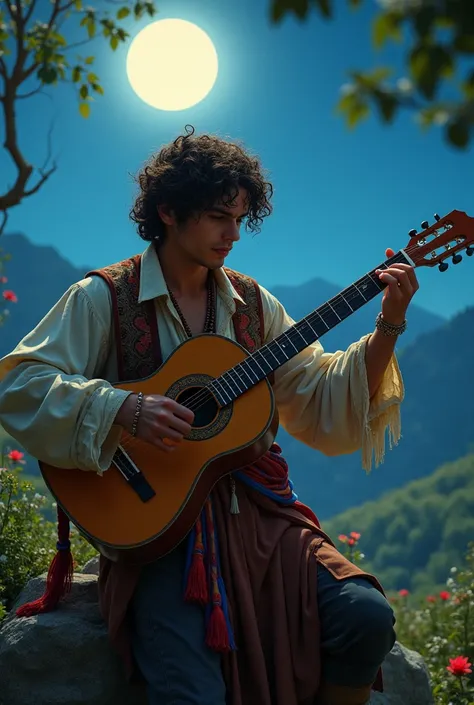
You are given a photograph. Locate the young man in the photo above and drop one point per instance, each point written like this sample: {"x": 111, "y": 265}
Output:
{"x": 302, "y": 625}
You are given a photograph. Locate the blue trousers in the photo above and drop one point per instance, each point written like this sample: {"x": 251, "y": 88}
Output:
{"x": 357, "y": 632}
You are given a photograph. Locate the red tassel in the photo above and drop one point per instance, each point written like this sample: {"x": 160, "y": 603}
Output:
{"x": 217, "y": 637}
{"x": 196, "y": 588}
{"x": 60, "y": 574}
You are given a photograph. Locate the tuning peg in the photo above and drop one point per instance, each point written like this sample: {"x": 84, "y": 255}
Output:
{"x": 470, "y": 251}
{"x": 424, "y": 225}
{"x": 443, "y": 266}
{"x": 412, "y": 232}
{"x": 436, "y": 217}
{"x": 457, "y": 259}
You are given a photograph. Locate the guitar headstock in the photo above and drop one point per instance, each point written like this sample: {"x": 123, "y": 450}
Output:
{"x": 443, "y": 240}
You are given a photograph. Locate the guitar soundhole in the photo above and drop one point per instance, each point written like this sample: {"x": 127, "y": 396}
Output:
{"x": 202, "y": 403}
{"x": 209, "y": 418}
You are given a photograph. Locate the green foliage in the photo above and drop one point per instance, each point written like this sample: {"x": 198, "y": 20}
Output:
{"x": 27, "y": 539}
{"x": 441, "y": 628}
{"x": 412, "y": 536}
{"x": 437, "y": 41}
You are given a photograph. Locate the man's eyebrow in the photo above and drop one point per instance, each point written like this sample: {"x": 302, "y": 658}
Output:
{"x": 225, "y": 211}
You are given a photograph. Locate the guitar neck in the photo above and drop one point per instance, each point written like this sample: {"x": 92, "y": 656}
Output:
{"x": 259, "y": 365}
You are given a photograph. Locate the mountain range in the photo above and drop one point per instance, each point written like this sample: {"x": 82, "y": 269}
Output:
{"x": 436, "y": 357}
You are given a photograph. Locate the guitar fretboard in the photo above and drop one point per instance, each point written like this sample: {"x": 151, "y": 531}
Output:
{"x": 256, "y": 367}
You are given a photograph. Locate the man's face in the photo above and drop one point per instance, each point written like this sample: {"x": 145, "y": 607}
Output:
{"x": 208, "y": 240}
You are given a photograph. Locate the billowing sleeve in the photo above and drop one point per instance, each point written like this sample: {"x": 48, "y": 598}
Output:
{"x": 323, "y": 398}
{"x": 51, "y": 401}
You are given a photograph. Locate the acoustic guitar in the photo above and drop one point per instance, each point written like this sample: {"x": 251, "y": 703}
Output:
{"x": 147, "y": 501}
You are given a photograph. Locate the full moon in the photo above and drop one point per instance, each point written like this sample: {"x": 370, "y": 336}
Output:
{"x": 172, "y": 64}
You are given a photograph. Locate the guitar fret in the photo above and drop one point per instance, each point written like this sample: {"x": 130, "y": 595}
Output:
{"x": 275, "y": 353}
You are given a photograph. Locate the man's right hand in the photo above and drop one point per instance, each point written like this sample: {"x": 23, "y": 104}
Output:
{"x": 162, "y": 422}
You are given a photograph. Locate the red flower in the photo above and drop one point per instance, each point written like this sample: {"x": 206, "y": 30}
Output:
{"x": 343, "y": 538}
{"x": 15, "y": 455}
{"x": 459, "y": 666}
{"x": 3, "y": 280}
{"x": 355, "y": 535}
{"x": 9, "y": 295}
{"x": 431, "y": 598}
{"x": 403, "y": 593}
{"x": 351, "y": 541}
{"x": 445, "y": 595}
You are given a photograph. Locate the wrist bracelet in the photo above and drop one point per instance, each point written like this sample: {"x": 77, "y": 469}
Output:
{"x": 389, "y": 328}
{"x": 137, "y": 413}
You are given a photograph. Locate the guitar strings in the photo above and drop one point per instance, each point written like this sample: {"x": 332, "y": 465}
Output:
{"x": 201, "y": 397}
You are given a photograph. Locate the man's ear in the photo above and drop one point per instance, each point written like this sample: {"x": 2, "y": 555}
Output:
{"x": 166, "y": 215}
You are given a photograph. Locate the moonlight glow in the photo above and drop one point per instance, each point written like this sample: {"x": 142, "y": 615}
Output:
{"x": 172, "y": 64}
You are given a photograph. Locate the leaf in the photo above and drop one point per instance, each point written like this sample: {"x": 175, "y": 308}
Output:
{"x": 424, "y": 20}
{"x": 89, "y": 60}
{"x": 98, "y": 88}
{"x": 92, "y": 78}
{"x": 76, "y": 74}
{"x": 114, "y": 42}
{"x": 385, "y": 26}
{"x": 47, "y": 74}
{"x": 387, "y": 105}
{"x": 458, "y": 133}
{"x": 91, "y": 27}
{"x": 123, "y": 12}
{"x": 84, "y": 109}
{"x": 326, "y": 7}
{"x": 428, "y": 64}
{"x": 464, "y": 43}
{"x": 84, "y": 91}
{"x": 468, "y": 86}
{"x": 353, "y": 108}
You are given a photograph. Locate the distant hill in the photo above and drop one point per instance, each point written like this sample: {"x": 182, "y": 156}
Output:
{"x": 40, "y": 275}
{"x": 413, "y": 536}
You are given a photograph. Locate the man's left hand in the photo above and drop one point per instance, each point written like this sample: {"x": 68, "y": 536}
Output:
{"x": 401, "y": 287}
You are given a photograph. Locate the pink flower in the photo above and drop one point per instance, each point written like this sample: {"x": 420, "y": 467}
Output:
{"x": 431, "y": 598}
{"x": 459, "y": 666}
{"x": 15, "y": 455}
{"x": 355, "y": 535}
{"x": 403, "y": 592}
{"x": 351, "y": 541}
{"x": 10, "y": 295}
{"x": 3, "y": 280}
{"x": 444, "y": 595}
{"x": 343, "y": 538}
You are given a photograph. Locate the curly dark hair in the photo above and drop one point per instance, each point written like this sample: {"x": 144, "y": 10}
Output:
{"x": 192, "y": 174}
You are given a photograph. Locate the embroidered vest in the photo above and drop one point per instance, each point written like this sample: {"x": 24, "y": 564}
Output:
{"x": 135, "y": 323}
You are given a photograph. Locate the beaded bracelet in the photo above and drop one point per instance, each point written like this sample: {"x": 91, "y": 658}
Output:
{"x": 137, "y": 413}
{"x": 389, "y": 328}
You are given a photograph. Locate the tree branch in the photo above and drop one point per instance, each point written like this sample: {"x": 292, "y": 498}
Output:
{"x": 44, "y": 172}
{"x": 30, "y": 94}
{"x": 15, "y": 194}
{"x": 4, "y": 222}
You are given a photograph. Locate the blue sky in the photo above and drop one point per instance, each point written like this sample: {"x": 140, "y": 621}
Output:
{"x": 341, "y": 197}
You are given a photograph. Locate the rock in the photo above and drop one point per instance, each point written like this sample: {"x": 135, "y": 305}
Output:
{"x": 92, "y": 566}
{"x": 64, "y": 658}
{"x": 406, "y": 679}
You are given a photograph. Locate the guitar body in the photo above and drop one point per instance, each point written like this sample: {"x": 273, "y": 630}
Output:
{"x": 109, "y": 511}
